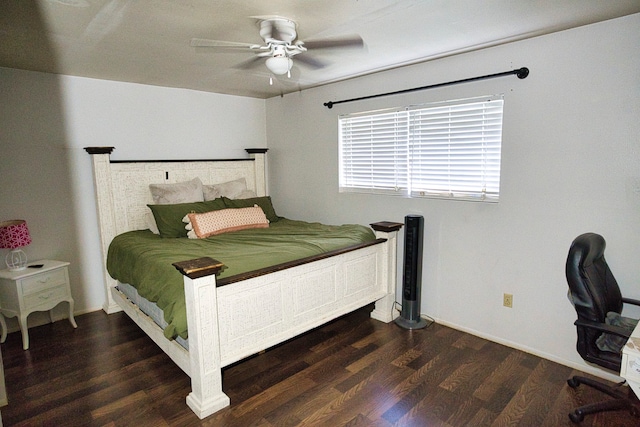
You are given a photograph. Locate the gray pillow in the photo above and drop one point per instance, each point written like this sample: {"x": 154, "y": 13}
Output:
{"x": 611, "y": 342}
{"x": 236, "y": 189}
{"x": 180, "y": 192}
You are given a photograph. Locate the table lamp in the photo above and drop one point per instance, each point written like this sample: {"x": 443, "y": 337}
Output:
{"x": 14, "y": 234}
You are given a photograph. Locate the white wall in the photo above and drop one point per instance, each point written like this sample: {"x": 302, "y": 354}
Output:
{"x": 570, "y": 164}
{"x": 47, "y": 120}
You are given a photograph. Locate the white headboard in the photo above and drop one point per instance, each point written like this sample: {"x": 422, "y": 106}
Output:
{"x": 122, "y": 189}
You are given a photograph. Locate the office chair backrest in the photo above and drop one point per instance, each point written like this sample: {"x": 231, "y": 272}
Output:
{"x": 594, "y": 292}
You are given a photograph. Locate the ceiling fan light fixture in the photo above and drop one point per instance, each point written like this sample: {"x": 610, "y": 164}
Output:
{"x": 279, "y": 64}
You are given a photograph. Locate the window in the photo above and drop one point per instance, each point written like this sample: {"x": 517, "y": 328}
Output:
{"x": 448, "y": 150}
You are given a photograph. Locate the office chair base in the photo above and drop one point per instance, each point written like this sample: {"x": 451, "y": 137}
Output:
{"x": 623, "y": 399}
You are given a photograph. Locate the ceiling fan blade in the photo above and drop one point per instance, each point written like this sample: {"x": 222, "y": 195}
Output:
{"x": 310, "y": 61}
{"x": 354, "y": 41}
{"x": 249, "y": 63}
{"x": 222, "y": 44}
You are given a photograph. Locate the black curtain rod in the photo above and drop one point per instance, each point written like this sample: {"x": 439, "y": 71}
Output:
{"x": 522, "y": 73}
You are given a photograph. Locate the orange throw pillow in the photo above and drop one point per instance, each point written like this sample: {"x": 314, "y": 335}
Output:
{"x": 202, "y": 225}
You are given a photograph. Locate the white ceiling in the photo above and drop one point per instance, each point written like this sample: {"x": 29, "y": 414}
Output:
{"x": 148, "y": 41}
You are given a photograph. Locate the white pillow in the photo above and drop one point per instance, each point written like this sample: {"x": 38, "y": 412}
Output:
{"x": 236, "y": 189}
{"x": 170, "y": 194}
{"x": 180, "y": 192}
{"x": 246, "y": 194}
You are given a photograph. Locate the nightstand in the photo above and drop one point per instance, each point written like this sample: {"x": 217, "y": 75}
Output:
{"x": 34, "y": 289}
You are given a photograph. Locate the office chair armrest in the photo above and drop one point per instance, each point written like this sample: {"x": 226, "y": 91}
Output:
{"x": 631, "y": 301}
{"x": 603, "y": 327}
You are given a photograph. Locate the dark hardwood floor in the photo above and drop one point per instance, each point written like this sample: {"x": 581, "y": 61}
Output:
{"x": 352, "y": 372}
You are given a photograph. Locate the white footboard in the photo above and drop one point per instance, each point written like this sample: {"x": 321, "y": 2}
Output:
{"x": 228, "y": 323}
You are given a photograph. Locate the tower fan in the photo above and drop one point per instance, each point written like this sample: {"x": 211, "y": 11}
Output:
{"x": 412, "y": 274}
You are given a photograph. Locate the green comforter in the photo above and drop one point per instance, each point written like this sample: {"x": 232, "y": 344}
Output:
{"x": 144, "y": 260}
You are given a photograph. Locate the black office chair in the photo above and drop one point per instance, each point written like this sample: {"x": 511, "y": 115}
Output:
{"x": 594, "y": 292}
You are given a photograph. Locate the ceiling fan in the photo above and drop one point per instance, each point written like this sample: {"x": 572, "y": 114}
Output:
{"x": 281, "y": 45}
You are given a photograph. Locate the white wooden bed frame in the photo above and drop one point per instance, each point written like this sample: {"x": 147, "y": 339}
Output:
{"x": 228, "y": 323}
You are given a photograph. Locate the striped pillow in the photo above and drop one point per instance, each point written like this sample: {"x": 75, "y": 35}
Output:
{"x": 201, "y": 225}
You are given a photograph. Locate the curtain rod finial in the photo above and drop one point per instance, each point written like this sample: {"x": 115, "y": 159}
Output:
{"x": 329, "y": 104}
{"x": 522, "y": 73}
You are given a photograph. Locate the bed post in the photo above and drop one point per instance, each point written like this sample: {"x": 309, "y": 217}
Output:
{"x": 206, "y": 395}
{"x": 259, "y": 155}
{"x": 384, "y": 311}
{"x": 106, "y": 215}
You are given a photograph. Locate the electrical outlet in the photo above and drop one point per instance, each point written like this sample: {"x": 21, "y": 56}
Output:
{"x": 507, "y": 300}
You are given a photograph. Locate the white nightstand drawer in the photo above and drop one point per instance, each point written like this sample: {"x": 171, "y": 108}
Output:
{"x": 35, "y": 289}
{"x": 44, "y": 297}
{"x": 42, "y": 281}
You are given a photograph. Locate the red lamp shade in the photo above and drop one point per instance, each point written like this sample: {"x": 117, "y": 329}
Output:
{"x": 14, "y": 234}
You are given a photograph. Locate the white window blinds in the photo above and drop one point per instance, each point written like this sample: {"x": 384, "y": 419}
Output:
{"x": 449, "y": 150}
{"x": 374, "y": 152}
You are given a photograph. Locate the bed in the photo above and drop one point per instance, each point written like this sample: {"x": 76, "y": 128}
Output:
{"x": 232, "y": 314}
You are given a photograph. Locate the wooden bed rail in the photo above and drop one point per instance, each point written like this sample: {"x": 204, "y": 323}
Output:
{"x": 307, "y": 260}
{"x": 206, "y": 266}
